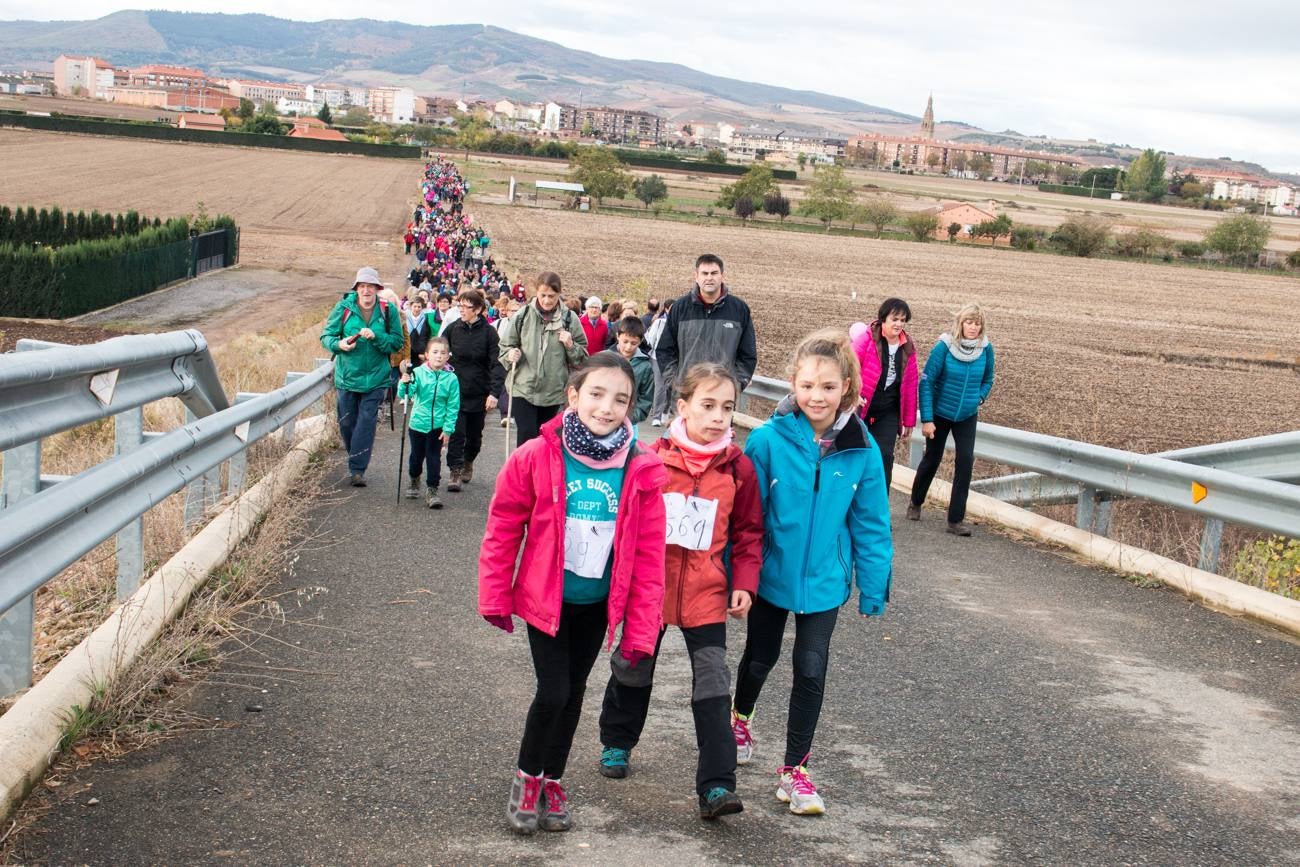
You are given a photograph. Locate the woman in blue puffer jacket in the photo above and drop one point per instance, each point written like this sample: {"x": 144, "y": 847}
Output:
{"x": 958, "y": 378}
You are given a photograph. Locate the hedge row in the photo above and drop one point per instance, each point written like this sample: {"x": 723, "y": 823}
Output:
{"x": 661, "y": 161}
{"x": 58, "y": 282}
{"x": 54, "y": 228}
{"x": 1087, "y": 192}
{"x": 94, "y": 126}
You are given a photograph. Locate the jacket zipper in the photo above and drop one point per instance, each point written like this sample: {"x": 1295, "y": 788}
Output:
{"x": 812, "y": 522}
{"x": 681, "y": 575}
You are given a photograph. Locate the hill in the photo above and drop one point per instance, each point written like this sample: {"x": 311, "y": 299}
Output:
{"x": 478, "y": 60}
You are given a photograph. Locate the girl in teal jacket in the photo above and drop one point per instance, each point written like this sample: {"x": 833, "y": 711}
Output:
{"x": 826, "y": 519}
{"x": 435, "y": 403}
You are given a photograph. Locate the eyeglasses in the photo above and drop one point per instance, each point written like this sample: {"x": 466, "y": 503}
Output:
{"x": 467, "y": 305}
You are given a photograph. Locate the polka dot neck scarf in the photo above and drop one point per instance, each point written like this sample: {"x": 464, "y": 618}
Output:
{"x": 582, "y": 443}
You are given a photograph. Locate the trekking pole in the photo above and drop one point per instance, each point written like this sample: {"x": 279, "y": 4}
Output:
{"x": 401, "y": 450}
{"x": 510, "y": 404}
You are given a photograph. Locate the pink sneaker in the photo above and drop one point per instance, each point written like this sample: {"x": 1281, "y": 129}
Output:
{"x": 554, "y": 814}
{"x": 744, "y": 740}
{"x": 521, "y": 809}
{"x": 796, "y": 789}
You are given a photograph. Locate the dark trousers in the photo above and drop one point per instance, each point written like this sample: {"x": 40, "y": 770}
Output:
{"x": 812, "y": 642}
{"x": 357, "y": 411}
{"x": 963, "y": 435}
{"x": 529, "y": 418}
{"x": 467, "y": 440}
{"x": 426, "y": 448}
{"x": 627, "y": 701}
{"x": 663, "y": 389}
{"x": 562, "y": 664}
{"x": 884, "y": 430}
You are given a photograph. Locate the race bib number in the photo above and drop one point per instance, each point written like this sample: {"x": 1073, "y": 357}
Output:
{"x": 587, "y": 546}
{"x": 690, "y": 521}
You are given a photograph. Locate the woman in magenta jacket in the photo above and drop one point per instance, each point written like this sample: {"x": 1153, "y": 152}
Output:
{"x": 584, "y": 502}
{"x": 889, "y": 378}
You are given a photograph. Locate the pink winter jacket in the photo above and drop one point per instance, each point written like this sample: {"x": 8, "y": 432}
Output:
{"x": 867, "y": 345}
{"x": 530, "y": 497}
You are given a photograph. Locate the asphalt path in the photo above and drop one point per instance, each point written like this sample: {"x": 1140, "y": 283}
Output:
{"x": 1011, "y": 707}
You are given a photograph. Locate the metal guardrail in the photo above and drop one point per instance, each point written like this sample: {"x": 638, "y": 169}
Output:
{"x": 1247, "y": 482}
{"x": 48, "y": 522}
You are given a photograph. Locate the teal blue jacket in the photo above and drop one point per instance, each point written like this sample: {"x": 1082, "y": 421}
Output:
{"x": 954, "y": 389}
{"x": 826, "y": 518}
{"x": 435, "y": 399}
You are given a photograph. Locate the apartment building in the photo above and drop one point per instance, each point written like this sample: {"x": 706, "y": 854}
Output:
{"x": 89, "y": 76}
{"x": 613, "y": 124}
{"x": 391, "y": 104}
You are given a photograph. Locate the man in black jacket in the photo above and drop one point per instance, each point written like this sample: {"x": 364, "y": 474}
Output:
{"x": 474, "y": 355}
{"x": 708, "y": 324}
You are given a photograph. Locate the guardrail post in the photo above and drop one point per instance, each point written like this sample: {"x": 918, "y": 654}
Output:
{"x": 1211, "y": 537}
{"x": 916, "y": 450}
{"x": 318, "y": 408}
{"x": 203, "y": 492}
{"x": 1092, "y": 513}
{"x": 128, "y": 433}
{"x": 22, "y": 468}
{"x": 238, "y": 471}
{"x": 290, "y": 425}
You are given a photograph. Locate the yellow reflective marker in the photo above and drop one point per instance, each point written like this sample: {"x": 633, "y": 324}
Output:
{"x": 1199, "y": 492}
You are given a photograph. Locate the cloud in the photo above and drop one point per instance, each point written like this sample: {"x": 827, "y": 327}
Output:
{"x": 1193, "y": 76}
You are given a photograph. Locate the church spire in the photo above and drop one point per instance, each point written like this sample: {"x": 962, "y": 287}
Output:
{"x": 927, "y": 120}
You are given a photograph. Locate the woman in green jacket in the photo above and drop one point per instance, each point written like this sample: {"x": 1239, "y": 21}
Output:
{"x": 539, "y": 346}
{"x": 361, "y": 332}
{"x": 435, "y": 394}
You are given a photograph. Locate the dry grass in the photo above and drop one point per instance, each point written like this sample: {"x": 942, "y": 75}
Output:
{"x": 69, "y": 607}
{"x": 149, "y": 701}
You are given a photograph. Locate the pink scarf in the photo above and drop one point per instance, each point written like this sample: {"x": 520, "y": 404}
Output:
{"x": 697, "y": 456}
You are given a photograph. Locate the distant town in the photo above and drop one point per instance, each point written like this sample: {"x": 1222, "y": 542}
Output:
{"x": 204, "y": 101}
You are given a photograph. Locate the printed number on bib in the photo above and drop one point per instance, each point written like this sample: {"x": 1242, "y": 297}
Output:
{"x": 587, "y": 545}
{"x": 690, "y": 521}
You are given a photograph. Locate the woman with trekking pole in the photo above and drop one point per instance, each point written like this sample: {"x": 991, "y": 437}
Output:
{"x": 540, "y": 344}
{"x": 475, "y": 354}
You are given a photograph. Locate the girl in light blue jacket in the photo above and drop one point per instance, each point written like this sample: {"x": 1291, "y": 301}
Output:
{"x": 826, "y": 519}
{"x": 957, "y": 380}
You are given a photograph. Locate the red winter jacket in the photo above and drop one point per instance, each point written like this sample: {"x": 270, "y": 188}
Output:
{"x": 696, "y": 589}
{"x": 530, "y": 497}
{"x": 868, "y": 345}
{"x": 597, "y": 334}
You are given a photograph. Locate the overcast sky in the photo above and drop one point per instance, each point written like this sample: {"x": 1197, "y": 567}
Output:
{"x": 1196, "y": 77}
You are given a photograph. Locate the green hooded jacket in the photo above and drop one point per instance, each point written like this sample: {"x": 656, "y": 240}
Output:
{"x": 543, "y": 369}
{"x": 436, "y": 399}
{"x": 367, "y": 366}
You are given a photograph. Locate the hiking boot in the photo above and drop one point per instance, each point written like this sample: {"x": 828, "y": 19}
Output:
{"x": 454, "y": 484}
{"x": 554, "y": 814}
{"x": 413, "y": 488}
{"x": 614, "y": 762}
{"x": 718, "y": 802}
{"x": 913, "y": 512}
{"x": 744, "y": 740}
{"x": 796, "y": 789}
{"x": 521, "y": 810}
{"x": 467, "y": 473}
{"x": 433, "y": 502}
{"x": 958, "y": 528}
{"x": 358, "y": 480}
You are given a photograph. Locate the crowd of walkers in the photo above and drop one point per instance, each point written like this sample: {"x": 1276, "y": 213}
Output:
{"x": 595, "y": 538}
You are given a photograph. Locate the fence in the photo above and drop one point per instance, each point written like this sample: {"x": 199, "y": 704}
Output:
{"x": 48, "y": 522}
{"x": 1248, "y": 482}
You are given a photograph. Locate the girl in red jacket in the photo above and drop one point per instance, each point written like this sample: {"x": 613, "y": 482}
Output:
{"x": 583, "y": 501}
{"x": 712, "y": 502}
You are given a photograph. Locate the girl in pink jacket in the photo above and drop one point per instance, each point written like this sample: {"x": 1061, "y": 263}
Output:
{"x": 889, "y": 377}
{"x": 584, "y": 502}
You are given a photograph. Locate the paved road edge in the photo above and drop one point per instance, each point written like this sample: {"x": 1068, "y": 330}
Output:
{"x": 31, "y": 730}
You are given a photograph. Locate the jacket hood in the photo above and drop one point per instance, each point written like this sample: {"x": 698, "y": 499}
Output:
{"x": 698, "y": 298}
{"x": 671, "y": 454}
{"x": 790, "y": 423}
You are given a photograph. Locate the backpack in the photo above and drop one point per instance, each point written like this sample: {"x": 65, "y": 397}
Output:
{"x": 347, "y": 311}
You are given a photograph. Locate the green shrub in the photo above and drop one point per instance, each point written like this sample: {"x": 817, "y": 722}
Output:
{"x": 1272, "y": 564}
{"x": 1087, "y": 192}
{"x": 1191, "y": 249}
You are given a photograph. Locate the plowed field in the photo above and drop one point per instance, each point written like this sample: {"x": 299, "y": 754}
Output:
{"x": 311, "y": 213}
{"x": 1138, "y": 356}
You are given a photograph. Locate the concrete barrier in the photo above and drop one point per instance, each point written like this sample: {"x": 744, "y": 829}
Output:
{"x": 31, "y": 730}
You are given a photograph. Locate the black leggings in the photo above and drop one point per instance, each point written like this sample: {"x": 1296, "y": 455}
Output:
{"x": 426, "y": 448}
{"x": 529, "y": 418}
{"x": 562, "y": 664}
{"x": 884, "y": 430}
{"x": 627, "y": 702}
{"x": 812, "y": 642}
{"x": 963, "y": 435}
{"x": 467, "y": 440}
